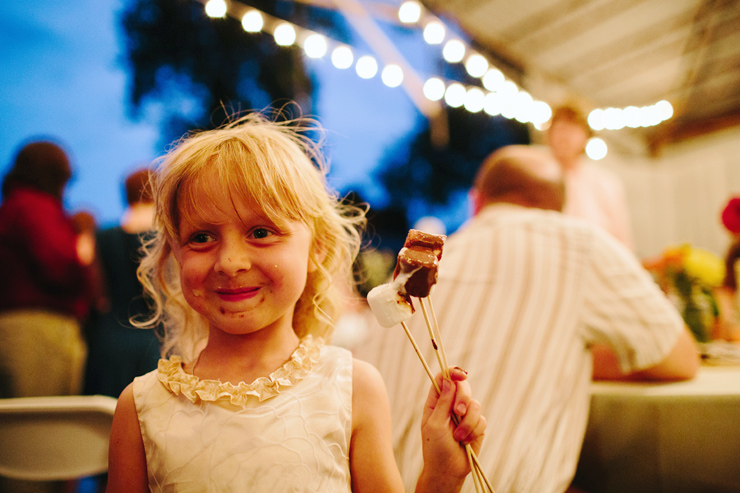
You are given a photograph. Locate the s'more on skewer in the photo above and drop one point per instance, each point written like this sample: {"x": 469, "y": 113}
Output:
{"x": 414, "y": 276}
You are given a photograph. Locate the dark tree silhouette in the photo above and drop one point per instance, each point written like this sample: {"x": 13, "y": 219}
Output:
{"x": 197, "y": 70}
{"x": 415, "y": 170}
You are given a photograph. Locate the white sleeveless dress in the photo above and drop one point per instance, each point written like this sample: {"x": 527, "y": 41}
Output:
{"x": 289, "y": 432}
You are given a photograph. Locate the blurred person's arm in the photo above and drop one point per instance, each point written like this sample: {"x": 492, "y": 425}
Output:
{"x": 682, "y": 363}
{"x": 728, "y": 327}
{"x": 630, "y": 326}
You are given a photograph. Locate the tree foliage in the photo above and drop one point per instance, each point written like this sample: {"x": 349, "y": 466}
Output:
{"x": 415, "y": 171}
{"x": 195, "y": 71}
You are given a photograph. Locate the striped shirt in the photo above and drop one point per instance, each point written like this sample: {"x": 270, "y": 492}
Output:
{"x": 521, "y": 295}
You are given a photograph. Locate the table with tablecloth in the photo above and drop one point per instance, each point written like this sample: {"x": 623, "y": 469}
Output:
{"x": 664, "y": 437}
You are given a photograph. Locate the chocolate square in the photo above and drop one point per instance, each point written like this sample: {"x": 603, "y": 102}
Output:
{"x": 420, "y": 239}
{"x": 422, "y": 266}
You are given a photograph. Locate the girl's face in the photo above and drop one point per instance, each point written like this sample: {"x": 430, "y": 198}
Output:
{"x": 238, "y": 269}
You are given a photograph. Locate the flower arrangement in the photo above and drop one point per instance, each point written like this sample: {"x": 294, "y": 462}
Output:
{"x": 689, "y": 276}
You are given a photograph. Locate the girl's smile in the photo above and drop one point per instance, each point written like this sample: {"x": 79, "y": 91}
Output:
{"x": 237, "y": 294}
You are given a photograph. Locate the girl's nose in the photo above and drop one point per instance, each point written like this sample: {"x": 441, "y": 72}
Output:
{"x": 233, "y": 257}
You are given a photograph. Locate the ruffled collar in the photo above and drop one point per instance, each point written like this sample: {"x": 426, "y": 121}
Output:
{"x": 172, "y": 375}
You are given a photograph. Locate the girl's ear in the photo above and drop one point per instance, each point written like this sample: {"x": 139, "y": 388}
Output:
{"x": 319, "y": 254}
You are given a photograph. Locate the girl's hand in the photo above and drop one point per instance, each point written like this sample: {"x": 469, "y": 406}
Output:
{"x": 445, "y": 459}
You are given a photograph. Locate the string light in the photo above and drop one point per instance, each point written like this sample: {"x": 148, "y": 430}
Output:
{"x": 342, "y": 57}
{"x": 631, "y": 116}
{"x": 454, "y": 51}
{"x": 596, "y": 148}
{"x": 392, "y": 75}
{"x": 455, "y": 95}
{"x": 252, "y": 22}
{"x": 366, "y": 67}
{"x": 284, "y": 34}
{"x": 409, "y": 12}
{"x": 474, "y": 100}
{"x": 315, "y": 46}
{"x": 476, "y": 65}
{"x": 499, "y": 96}
{"x": 522, "y": 111}
{"x": 216, "y": 8}
{"x": 434, "y": 33}
{"x": 493, "y": 104}
{"x": 434, "y": 89}
{"x": 493, "y": 79}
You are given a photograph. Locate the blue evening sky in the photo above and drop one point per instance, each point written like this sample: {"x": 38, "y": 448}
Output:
{"x": 61, "y": 76}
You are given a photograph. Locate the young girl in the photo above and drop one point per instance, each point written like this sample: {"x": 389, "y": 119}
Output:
{"x": 250, "y": 255}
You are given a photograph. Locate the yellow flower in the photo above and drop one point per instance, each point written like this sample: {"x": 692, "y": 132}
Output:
{"x": 705, "y": 266}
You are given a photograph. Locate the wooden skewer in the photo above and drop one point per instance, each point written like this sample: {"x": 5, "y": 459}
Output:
{"x": 445, "y": 368}
{"x": 433, "y": 328}
{"x": 421, "y": 356}
{"x": 479, "y": 468}
{"x": 437, "y": 334}
{"x": 476, "y": 480}
{"x": 474, "y": 464}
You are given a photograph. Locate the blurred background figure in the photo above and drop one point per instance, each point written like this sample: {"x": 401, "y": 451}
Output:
{"x": 118, "y": 350}
{"x": 592, "y": 193}
{"x": 42, "y": 286}
{"x": 42, "y": 351}
{"x": 728, "y": 327}
{"x": 91, "y": 300}
{"x": 525, "y": 292}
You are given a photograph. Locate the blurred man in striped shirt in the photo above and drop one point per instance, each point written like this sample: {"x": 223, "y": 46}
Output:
{"x": 524, "y": 293}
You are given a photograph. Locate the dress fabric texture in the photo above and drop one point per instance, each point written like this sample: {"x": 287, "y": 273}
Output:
{"x": 118, "y": 351}
{"x": 287, "y": 433}
{"x": 521, "y": 295}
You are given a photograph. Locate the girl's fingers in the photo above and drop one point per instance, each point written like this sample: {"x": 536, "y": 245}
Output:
{"x": 433, "y": 398}
{"x": 463, "y": 397}
{"x": 472, "y": 424}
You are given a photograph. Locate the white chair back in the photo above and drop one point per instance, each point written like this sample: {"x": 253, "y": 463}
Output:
{"x": 55, "y": 438}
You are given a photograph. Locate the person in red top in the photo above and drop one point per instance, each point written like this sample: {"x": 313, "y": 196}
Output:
{"x": 42, "y": 351}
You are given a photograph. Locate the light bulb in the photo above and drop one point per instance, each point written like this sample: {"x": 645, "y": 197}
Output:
{"x": 342, "y": 57}
{"x": 284, "y": 34}
{"x": 252, "y": 21}
{"x": 315, "y": 46}
{"x": 409, "y": 12}
{"x": 392, "y": 75}
{"x": 434, "y": 89}
{"x": 366, "y": 67}
{"x": 216, "y": 8}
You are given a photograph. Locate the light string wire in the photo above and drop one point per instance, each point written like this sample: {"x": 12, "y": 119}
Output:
{"x": 498, "y": 96}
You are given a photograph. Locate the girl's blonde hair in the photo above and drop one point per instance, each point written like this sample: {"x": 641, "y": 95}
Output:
{"x": 278, "y": 166}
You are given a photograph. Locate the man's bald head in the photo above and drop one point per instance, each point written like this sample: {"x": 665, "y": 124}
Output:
{"x": 520, "y": 175}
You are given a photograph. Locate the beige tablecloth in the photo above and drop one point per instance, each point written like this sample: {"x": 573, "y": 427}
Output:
{"x": 667, "y": 437}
